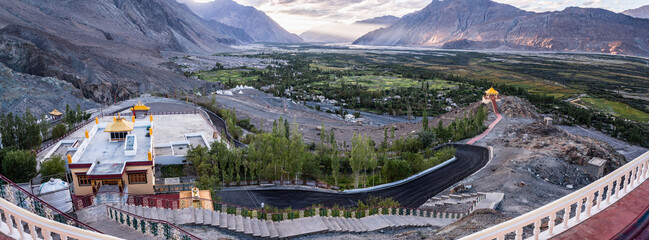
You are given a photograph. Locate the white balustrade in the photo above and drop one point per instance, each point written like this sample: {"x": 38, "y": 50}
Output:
{"x": 604, "y": 192}
{"x": 17, "y": 220}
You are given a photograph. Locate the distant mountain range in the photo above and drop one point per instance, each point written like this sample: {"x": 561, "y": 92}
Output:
{"x": 484, "y": 24}
{"x": 346, "y": 33}
{"x": 254, "y": 22}
{"x": 641, "y": 12}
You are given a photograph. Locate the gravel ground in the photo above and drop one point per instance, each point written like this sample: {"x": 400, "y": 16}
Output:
{"x": 629, "y": 151}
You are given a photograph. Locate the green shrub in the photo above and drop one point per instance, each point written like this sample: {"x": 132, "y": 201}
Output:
{"x": 58, "y": 131}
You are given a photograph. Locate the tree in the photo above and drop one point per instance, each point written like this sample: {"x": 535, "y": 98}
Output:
{"x": 357, "y": 157}
{"x": 58, "y": 131}
{"x": 53, "y": 168}
{"x": 8, "y": 130}
{"x": 19, "y": 165}
{"x": 335, "y": 166}
{"x": 424, "y": 122}
{"x": 371, "y": 157}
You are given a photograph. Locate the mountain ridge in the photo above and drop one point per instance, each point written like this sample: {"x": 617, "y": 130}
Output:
{"x": 256, "y": 23}
{"x": 331, "y": 33}
{"x": 641, "y": 12}
{"x": 484, "y": 24}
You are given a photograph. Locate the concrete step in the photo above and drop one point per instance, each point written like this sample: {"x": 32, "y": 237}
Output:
{"x": 352, "y": 226}
{"x": 232, "y": 223}
{"x": 334, "y": 223}
{"x": 300, "y": 227}
{"x": 239, "y": 223}
{"x": 344, "y": 227}
{"x": 361, "y": 227}
{"x": 207, "y": 217}
{"x": 328, "y": 224}
{"x": 198, "y": 215}
{"x": 272, "y": 230}
{"x": 385, "y": 219}
{"x": 376, "y": 223}
{"x": 392, "y": 222}
{"x": 223, "y": 220}
{"x": 215, "y": 218}
{"x": 254, "y": 223}
{"x": 263, "y": 229}
{"x": 247, "y": 226}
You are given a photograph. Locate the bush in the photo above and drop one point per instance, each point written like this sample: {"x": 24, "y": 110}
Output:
{"x": 19, "y": 165}
{"x": 53, "y": 168}
{"x": 58, "y": 131}
{"x": 395, "y": 169}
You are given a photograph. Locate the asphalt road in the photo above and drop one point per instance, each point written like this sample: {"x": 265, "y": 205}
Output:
{"x": 412, "y": 194}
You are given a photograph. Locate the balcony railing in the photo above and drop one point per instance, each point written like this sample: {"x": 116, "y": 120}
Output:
{"x": 28, "y": 217}
{"x": 152, "y": 227}
{"x": 560, "y": 215}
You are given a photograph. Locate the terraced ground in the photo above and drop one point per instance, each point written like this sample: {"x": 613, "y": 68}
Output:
{"x": 225, "y": 76}
{"x": 616, "y": 108}
{"x": 379, "y": 83}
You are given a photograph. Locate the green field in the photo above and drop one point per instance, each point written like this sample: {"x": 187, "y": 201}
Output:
{"x": 379, "y": 83}
{"x": 616, "y": 108}
{"x": 225, "y": 76}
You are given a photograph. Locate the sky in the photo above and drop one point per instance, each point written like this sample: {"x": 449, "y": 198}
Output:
{"x": 297, "y": 16}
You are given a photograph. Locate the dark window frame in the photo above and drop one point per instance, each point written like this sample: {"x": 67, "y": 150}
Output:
{"x": 140, "y": 178}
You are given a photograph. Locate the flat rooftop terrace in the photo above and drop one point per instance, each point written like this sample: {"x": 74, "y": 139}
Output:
{"x": 102, "y": 150}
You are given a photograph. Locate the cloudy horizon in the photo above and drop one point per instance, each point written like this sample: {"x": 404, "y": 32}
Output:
{"x": 297, "y": 16}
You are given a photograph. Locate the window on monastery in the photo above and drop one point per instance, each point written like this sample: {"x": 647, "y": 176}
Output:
{"x": 118, "y": 135}
{"x": 83, "y": 180}
{"x": 136, "y": 178}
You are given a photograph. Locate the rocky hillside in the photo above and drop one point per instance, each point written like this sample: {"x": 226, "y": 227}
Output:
{"x": 106, "y": 50}
{"x": 254, "y": 22}
{"x": 484, "y": 24}
{"x": 346, "y": 33}
{"x": 641, "y": 12}
{"x": 18, "y": 93}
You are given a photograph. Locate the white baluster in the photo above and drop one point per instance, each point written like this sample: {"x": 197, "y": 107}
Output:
{"x": 626, "y": 182}
{"x": 551, "y": 222}
{"x": 537, "y": 229}
{"x": 32, "y": 231}
{"x": 618, "y": 188}
{"x": 600, "y": 199}
{"x": 578, "y": 209}
{"x": 519, "y": 233}
{"x": 47, "y": 235}
{"x": 566, "y": 216}
{"x": 21, "y": 229}
{"x": 10, "y": 224}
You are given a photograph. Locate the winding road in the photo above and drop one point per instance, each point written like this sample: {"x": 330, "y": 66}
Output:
{"x": 411, "y": 194}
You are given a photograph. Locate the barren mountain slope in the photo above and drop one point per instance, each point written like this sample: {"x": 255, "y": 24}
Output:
{"x": 256, "y": 23}
{"x": 108, "y": 50}
{"x": 484, "y": 24}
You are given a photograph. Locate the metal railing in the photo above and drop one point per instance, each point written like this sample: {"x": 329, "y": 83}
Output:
{"x": 152, "y": 227}
{"x": 28, "y": 225}
{"x": 165, "y": 203}
{"x": 70, "y": 131}
{"x": 18, "y": 196}
{"x": 173, "y": 188}
{"x": 574, "y": 208}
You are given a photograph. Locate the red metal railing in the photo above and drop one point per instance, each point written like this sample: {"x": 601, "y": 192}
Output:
{"x": 56, "y": 214}
{"x": 168, "y": 235}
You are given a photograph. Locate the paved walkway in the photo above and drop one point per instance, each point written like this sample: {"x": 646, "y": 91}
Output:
{"x": 491, "y": 126}
{"x": 612, "y": 220}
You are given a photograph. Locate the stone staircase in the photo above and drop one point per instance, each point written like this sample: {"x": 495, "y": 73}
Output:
{"x": 283, "y": 229}
{"x": 453, "y": 199}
